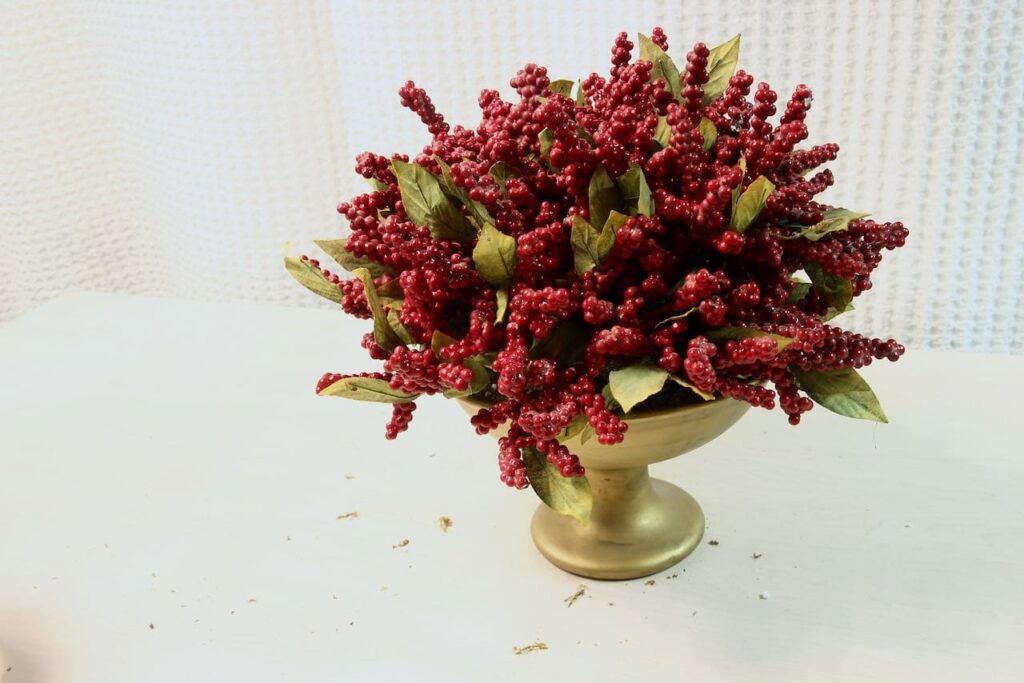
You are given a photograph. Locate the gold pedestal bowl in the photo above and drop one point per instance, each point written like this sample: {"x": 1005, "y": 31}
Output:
{"x": 638, "y": 525}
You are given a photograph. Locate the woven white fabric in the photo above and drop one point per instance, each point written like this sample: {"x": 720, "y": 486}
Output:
{"x": 164, "y": 149}
{"x": 171, "y": 150}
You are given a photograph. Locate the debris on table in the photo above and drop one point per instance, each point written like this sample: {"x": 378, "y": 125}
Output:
{"x": 151, "y": 627}
{"x": 401, "y": 544}
{"x": 672, "y": 576}
{"x": 757, "y": 556}
{"x": 712, "y": 542}
{"x": 527, "y": 649}
{"x": 348, "y": 515}
{"x": 575, "y": 596}
{"x": 445, "y": 522}
{"x": 765, "y": 595}
{"x": 649, "y": 582}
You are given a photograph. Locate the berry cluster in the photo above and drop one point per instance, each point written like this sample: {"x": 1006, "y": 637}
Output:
{"x": 657, "y": 217}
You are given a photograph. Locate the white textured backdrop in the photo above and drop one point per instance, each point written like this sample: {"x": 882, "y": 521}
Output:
{"x": 171, "y": 149}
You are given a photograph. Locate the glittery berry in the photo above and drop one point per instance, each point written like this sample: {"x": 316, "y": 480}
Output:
{"x": 678, "y": 279}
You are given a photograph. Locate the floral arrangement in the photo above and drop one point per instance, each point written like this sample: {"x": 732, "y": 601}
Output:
{"x": 647, "y": 241}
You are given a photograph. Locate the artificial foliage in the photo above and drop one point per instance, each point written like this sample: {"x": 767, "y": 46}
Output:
{"x": 601, "y": 248}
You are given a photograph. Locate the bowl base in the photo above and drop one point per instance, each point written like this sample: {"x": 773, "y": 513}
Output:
{"x": 659, "y": 526}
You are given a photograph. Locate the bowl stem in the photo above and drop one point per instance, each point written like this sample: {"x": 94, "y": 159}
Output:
{"x": 638, "y": 526}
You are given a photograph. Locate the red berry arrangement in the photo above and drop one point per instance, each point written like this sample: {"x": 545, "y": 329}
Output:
{"x": 648, "y": 241}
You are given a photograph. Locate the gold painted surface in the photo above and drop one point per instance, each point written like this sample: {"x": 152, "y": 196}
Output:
{"x": 638, "y": 525}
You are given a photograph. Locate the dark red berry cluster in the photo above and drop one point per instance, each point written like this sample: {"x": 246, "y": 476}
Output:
{"x": 697, "y": 270}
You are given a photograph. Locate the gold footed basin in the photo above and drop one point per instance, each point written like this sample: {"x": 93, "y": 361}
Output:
{"x": 638, "y": 525}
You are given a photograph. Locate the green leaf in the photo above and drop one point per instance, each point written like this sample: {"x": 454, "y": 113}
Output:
{"x": 495, "y": 255}
{"x": 501, "y": 294}
{"x": 726, "y": 333}
{"x": 439, "y": 340}
{"x": 663, "y": 67}
{"x": 377, "y": 185}
{"x": 842, "y": 391}
{"x": 561, "y": 87}
{"x": 501, "y": 172}
{"x": 565, "y": 495}
{"x": 383, "y": 333}
{"x": 611, "y": 227}
{"x": 589, "y": 247}
{"x": 635, "y": 192}
{"x": 575, "y": 427}
{"x": 750, "y": 203}
{"x": 738, "y": 190}
{"x": 603, "y": 197}
{"x": 366, "y": 389}
{"x": 427, "y": 205}
{"x": 399, "y": 328}
{"x": 477, "y": 210}
{"x": 800, "y": 290}
{"x": 837, "y": 291}
{"x": 391, "y": 294}
{"x": 636, "y": 383}
{"x": 663, "y": 132}
{"x": 609, "y": 400}
{"x": 683, "y": 383}
{"x": 709, "y": 132}
{"x": 834, "y": 313}
{"x": 349, "y": 261}
{"x": 584, "y": 240}
{"x": 481, "y": 378}
{"x": 679, "y": 316}
{"x": 311, "y": 277}
{"x": 835, "y": 220}
{"x": 721, "y": 67}
{"x": 566, "y": 343}
{"x": 546, "y": 139}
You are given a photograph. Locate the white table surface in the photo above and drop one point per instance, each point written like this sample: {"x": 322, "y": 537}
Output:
{"x": 170, "y": 487}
